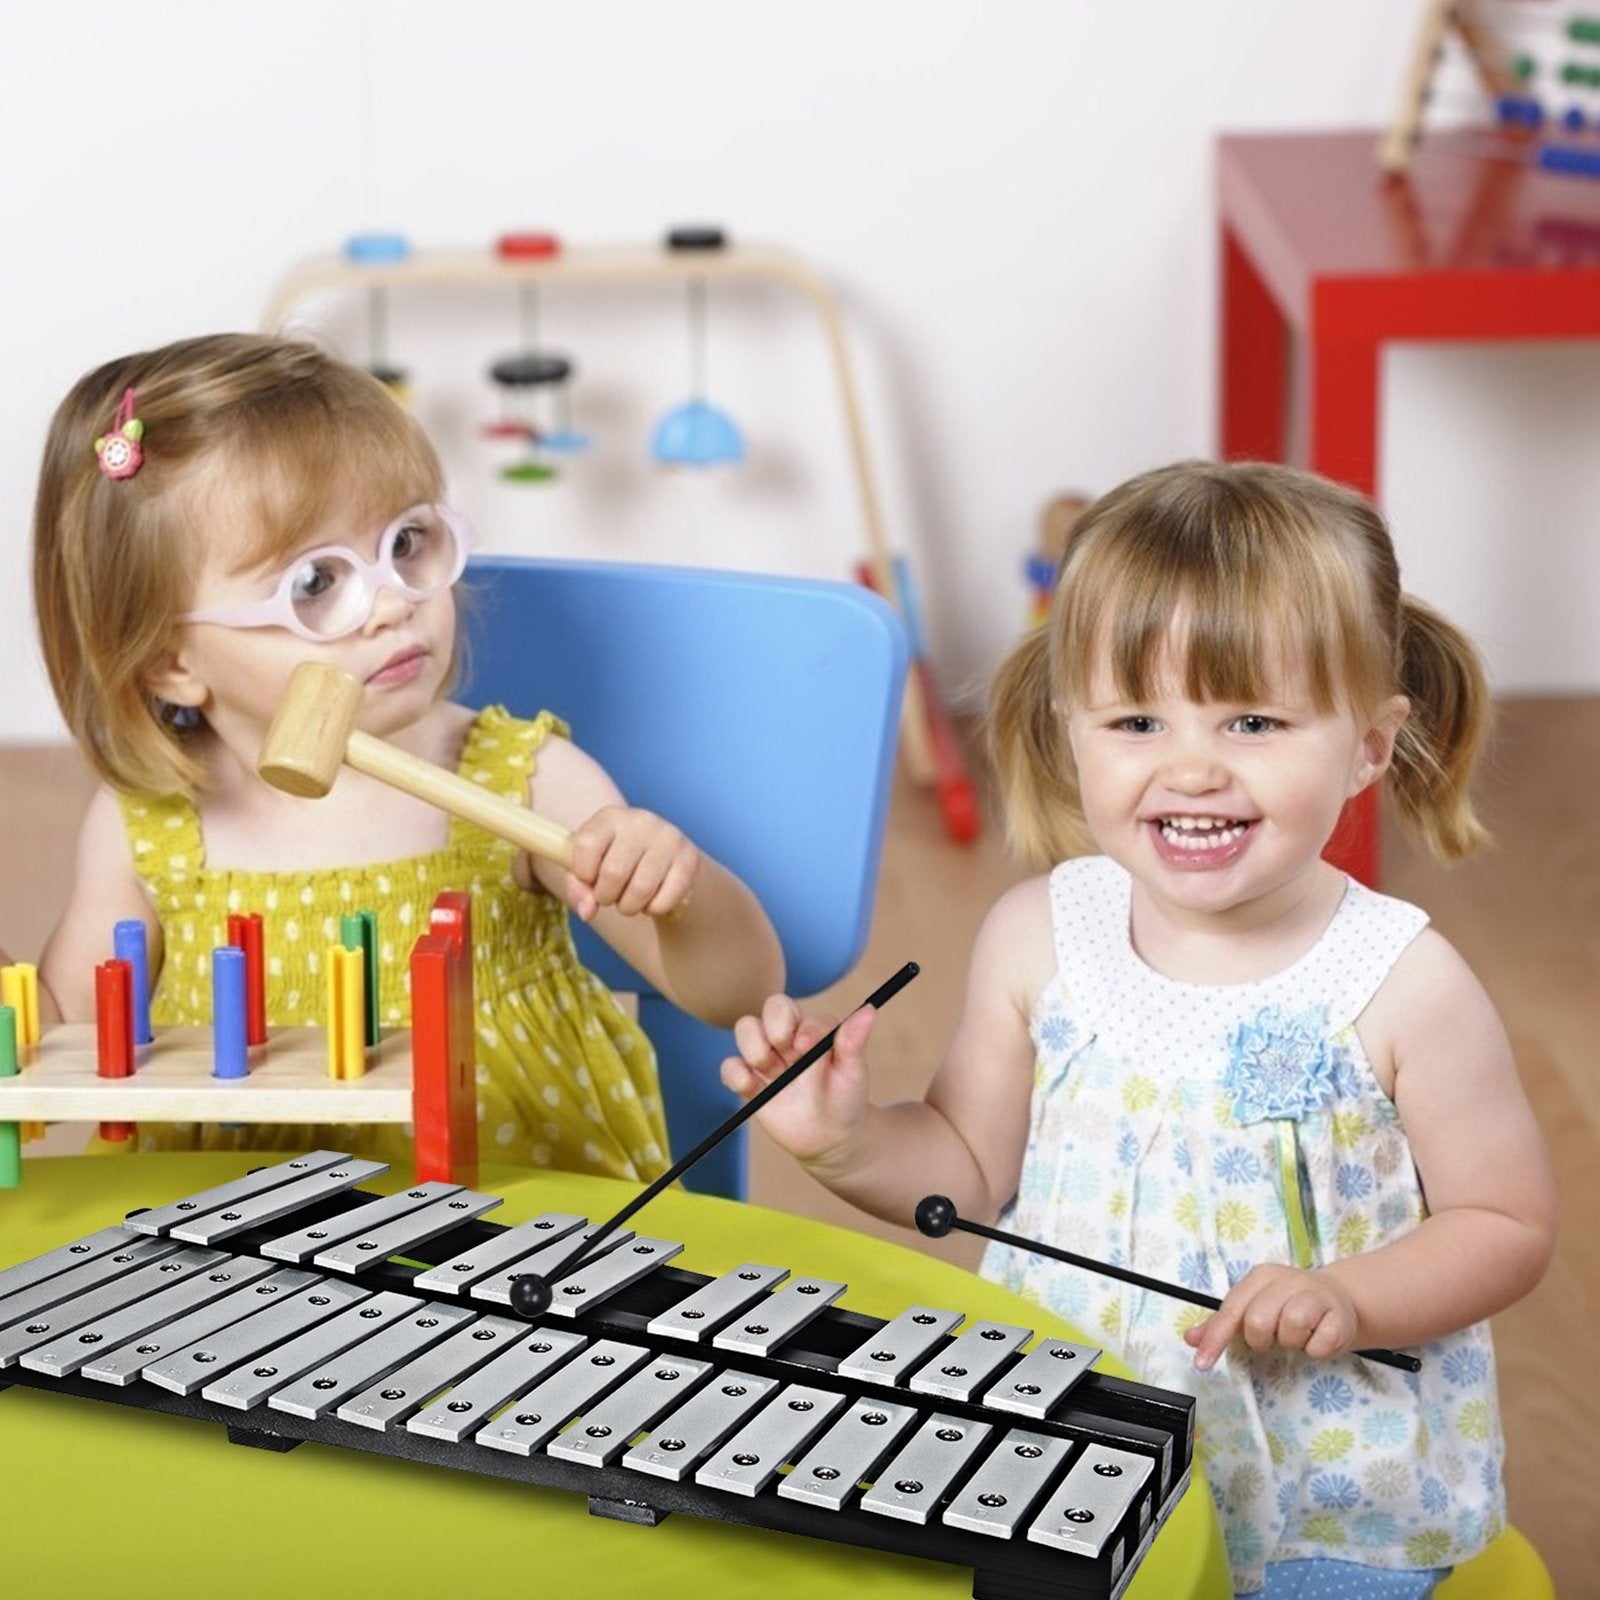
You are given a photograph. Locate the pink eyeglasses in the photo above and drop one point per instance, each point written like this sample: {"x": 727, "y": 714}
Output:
{"x": 330, "y": 592}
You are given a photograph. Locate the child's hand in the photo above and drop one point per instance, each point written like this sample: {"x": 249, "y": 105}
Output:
{"x": 817, "y": 1114}
{"x": 1277, "y": 1305}
{"x": 630, "y": 859}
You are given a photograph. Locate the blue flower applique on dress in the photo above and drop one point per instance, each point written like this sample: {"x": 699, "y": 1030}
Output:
{"x": 1284, "y": 1066}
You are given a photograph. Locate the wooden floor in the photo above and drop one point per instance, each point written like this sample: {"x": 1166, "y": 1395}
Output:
{"x": 1526, "y": 916}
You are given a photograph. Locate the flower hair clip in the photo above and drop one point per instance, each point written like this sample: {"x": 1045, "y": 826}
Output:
{"x": 121, "y": 455}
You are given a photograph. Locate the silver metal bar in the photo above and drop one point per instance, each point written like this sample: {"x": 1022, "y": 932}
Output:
{"x": 912, "y": 1485}
{"x": 54, "y": 1328}
{"x": 403, "y": 1234}
{"x": 496, "y": 1288}
{"x": 897, "y": 1347}
{"x": 300, "y": 1246}
{"x": 970, "y": 1362}
{"x": 324, "y": 1387}
{"x": 125, "y": 1363}
{"x": 399, "y": 1393}
{"x": 248, "y": 1385}
{"x": 607, "y": 1429}
{"x": 1083, "y": 1513}
{"x": 29, "y": 1305}
{"x": 1042, "y": 1377}
{"x": 686, "y": 1437}
{"x": 832, "y": 1470}
{"x": 718, "y": 1302}
{"x": 753, "y": 1457}
{"x": 997, "y": 1498}
{"x": 474, "y": 1400}
{"x": 35, "y": 1270}
{"x": 62, "y": 1359}
{"x": 205, "y": 1360}
{"x": 159, "y": 1220}
{"x": 546, "y": 1408}
{"x": 598, "y": 1280}
{"x": 271, "y": 1204}
{"x": 780, "y": 1316}
{"x": 460, "y": 1272}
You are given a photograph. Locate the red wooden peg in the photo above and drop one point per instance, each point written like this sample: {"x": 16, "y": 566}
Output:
{"x": 113, "y": 1024}
{"x": 444, "y": 1083}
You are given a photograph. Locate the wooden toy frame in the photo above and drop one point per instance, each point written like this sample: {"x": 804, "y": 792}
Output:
{"x": 926, "y": 742}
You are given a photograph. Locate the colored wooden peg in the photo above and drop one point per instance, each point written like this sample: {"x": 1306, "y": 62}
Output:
{"x": 113, "y": 1020}
{"x": 244, "y": 933}
{"x": 444, "y": 1088}
{"x": 19, "y": 989}
{"x": 346, "y": 1013}
{"x": 10, "y": 1133}
{"x": 130, "y": 943}
{"x": 359, "y": 931}
{"x": 229, "y": 1038}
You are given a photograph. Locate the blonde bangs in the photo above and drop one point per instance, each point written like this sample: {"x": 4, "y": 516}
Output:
{"x": 311, "y": 455}
{"x": 1247, "y": 596}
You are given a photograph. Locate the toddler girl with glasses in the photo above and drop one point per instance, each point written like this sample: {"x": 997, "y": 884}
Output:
{"x": 213, "y": 513}
{"x": 1194, "y": 1049}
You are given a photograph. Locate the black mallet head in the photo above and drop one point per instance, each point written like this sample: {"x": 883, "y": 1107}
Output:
{"x": 530, "y": 1296}
{"x": 936, "y": 1216}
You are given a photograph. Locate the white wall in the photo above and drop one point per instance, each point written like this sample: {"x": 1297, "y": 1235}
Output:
{"x": 1014, "y": 201}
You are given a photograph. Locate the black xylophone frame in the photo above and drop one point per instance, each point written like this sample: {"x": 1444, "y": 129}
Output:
{"x": 1126, "y": 1415}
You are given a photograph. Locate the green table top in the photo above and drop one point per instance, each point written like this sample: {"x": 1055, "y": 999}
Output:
{"x": 126, "y": 1503}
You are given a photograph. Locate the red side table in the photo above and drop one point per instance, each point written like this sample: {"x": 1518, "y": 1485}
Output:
{"x": 1321, "y": 248}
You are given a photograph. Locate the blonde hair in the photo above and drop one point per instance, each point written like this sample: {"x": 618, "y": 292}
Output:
{"x": 1255, "y": 559}
{"x": 278, "y": 431}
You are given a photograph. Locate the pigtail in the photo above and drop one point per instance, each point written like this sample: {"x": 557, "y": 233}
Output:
{"x": 1440, "y": 742}
{"x": 1028, "y": 746}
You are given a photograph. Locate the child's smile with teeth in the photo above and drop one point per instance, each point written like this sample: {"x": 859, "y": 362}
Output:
{"x": 1201, "y": 833}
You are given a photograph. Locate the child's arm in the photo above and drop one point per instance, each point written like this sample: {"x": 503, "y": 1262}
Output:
{"x": 105, "y": 890}
{"x": 1485, "y": 1176}
{"x": 966, "y": 1137}
{"x": 678, "y": 917}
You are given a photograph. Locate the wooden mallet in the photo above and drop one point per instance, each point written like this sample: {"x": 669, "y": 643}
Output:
{"x": 314, "y": 733}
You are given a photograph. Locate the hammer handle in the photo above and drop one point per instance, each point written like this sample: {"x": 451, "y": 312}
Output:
{"x": 453, "y": 793}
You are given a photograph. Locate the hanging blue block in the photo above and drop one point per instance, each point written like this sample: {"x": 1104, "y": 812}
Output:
{"x": 376, "y": 249}
{"x": 697, "y": 434}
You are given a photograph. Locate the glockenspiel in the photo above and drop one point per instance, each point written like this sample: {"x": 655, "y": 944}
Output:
{"x": 291, "y": 1304}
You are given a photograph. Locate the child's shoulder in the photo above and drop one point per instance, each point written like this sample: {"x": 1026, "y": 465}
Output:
{"x": 1015, "y": 946}
{"x": 492, "y": 737}
{"x": 107, "y": 847}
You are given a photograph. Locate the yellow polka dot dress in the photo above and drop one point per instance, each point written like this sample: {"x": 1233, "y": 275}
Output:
{"x": 565, "y": 1077}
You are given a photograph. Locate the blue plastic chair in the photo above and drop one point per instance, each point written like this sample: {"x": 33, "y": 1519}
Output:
{"x": 757, "y": 713}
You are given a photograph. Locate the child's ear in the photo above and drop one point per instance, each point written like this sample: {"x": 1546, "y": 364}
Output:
{"x": 1377, "y": 743}
{"x": 173, "y": 680}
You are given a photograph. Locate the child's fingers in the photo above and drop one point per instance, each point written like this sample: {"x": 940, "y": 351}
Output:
{"x": 756, "y": 1046}
{"x": 737, "y": 1076}
{"x": 780, "y": 1020}
{"x": 642, "y": 887}
{"x": 677, "y": 885}
{"x": 570, "y": 889}
{"x": 854, "y": 1031}
{"x": 578, "y": 895}
{"x": 616, "y": 870}
{"x": 1328, "y": 1335}
{"x": 1211, "y": 1337}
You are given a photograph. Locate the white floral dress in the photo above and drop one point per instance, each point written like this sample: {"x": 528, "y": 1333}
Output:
{"x": 1192, "y": 1131}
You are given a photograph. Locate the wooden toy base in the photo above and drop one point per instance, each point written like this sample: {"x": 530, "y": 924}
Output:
{"x": 174, "y": 1081}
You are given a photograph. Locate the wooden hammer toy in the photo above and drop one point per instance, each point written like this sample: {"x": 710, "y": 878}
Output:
{"x": 314, "y": 733}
